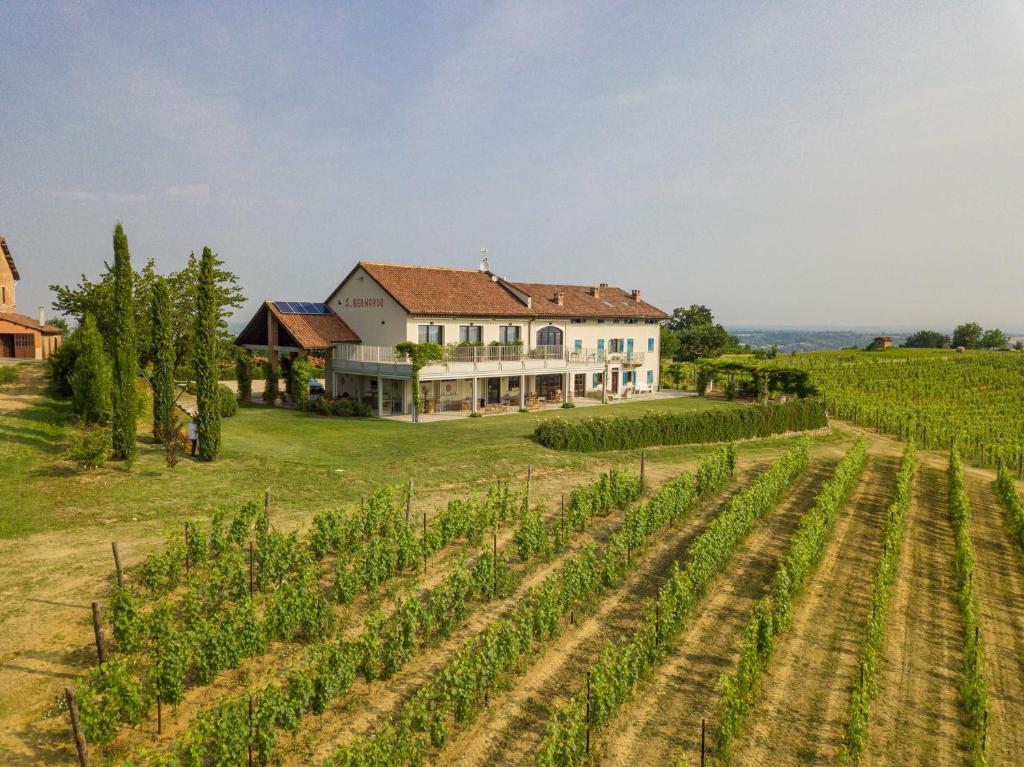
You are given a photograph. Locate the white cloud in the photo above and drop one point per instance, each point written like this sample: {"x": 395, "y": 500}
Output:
{"x": 68, "y": 194}
{"x": 128, "y": 198}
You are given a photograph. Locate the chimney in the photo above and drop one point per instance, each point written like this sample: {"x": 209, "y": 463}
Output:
{"x": 42, "y": 315}
{"x": 596, "y": 292}
{"x": 636, "y": 295}
{"x": 560, "y": 298}
{"x": 485, "y": 265}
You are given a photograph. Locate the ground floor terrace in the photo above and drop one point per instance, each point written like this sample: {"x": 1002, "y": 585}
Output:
{"x": 489, "y": 394}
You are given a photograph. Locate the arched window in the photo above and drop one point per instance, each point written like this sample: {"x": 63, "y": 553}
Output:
{"x": 549, "y": 336}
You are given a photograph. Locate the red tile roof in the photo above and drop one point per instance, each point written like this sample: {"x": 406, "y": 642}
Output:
{"x": 579, "y": 301}
{"x": 309, "y": 331}
{"x": 434, "y": 290}
{"x": 437, "y": 290}
{"x": 25, "y": 321}
{"x": 316, "y": 331}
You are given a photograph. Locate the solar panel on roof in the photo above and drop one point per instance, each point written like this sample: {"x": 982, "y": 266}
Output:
{"x": 301, "y": 307}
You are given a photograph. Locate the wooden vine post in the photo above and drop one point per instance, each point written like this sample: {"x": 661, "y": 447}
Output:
{"x": 252, "y": 589}
{"x": 529, "y": 481}
{"x": 117, "y": 564}
{"x": 702, "y": 723}
{"x": 266, "y": 507}
{"x": 97, "y": 628}
{"x": 643, "y": 467}
{"x": 187, "y": 559}
{"x": 424, "y": 540}
{"x": 494, "y": 586}
{"x": 76, "y": 727}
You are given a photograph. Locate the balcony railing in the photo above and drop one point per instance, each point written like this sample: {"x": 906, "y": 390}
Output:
{"x": 483, "y": 355}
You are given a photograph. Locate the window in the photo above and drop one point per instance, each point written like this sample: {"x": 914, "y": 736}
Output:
{"x": 578, "y": 321}
{"x": 577, "y": 345}
{"x": 650, "y": 322}
{"x": 470, "y": 334}
{"x": 650, "y": 378}
{"x": 549, "y": 336}
{"x": 650, "y": 344}
{"x": 598, "y": 377}
{"x": 433, "y": 334}
{"x": 508, "y": 334}
{"x": 628, "y": 377}
{"x": 600, "y": 344}
{"x": 617, "y": 345}
{"x": 600, "y": 322}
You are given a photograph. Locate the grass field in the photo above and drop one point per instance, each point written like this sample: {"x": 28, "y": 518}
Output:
{"x": 56, "y": 559}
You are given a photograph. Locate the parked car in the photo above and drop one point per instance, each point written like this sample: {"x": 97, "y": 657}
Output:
{"x": 316, "y": 389}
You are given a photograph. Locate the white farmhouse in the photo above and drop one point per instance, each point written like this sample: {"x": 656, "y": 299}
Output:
{"x": 506, "y": 344}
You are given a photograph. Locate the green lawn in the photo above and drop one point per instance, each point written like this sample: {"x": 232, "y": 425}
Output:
{"x": 309, "y": 462}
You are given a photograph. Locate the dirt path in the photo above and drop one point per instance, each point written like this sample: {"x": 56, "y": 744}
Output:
{"x": 1000, "y": 590}
{"x": 801, "y": 718}
{"x": 916, "y": 717}
{"x": 26, "y": 388}
{"x": 666, "y": 714}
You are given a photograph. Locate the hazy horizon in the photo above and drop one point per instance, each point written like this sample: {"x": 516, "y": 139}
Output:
{"x": 789, "y": 165}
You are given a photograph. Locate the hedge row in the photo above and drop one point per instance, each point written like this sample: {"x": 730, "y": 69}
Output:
{"x": 1006, "y": 489}
{"x": 717, "y": 425}
{"x": 974, "y": 689}
{"x": 772, "y": 612}
{"x": 865, "y": 686}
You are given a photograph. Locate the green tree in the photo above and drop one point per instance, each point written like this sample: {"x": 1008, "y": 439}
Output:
{"x": 91, "y": 380}
{"x": 967, "y": 335}
{"x": 162, "y": 379}
{"x": 669, "y": 343}
{"x": 684, "y": 318}
{"x": 126, "y": 359}
{"x": 97, "y": 298}
{"x": 926, "y": 339}
{"x": 420, "y": 355}
{"x": 994, "y": 339}
{"x": 205, "y": 353}
{"x": 699, "y": 335}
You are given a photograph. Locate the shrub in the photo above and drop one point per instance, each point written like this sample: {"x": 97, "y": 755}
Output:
{"x": 243, "y": 374}
{"x": 91, "y": 381}
{"x": 302, "y": 371}
{"x": 226, "y": 401}
{"x": 623, "y": 433}
{"x": 89, "y": 447}
{"x": 270, "y": 388}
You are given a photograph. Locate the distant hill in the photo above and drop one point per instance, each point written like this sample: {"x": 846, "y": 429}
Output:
{"x": 801, "y": 340}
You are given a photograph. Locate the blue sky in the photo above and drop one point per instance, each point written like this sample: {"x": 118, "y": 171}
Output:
{"x": 817, "y": 164}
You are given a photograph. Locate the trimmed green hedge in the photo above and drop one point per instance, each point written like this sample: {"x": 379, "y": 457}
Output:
{"x": 719, "y": 425}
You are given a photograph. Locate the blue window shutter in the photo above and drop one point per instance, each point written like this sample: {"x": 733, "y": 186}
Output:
{"x": 650, "y": 377}
{"x": 600, "y": 344}
{"x": 629, "y": 346}
{"x": 578, "y": 344}
{"x": 650, "y": 345}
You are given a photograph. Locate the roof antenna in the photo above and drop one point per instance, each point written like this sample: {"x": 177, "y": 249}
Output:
{"x": 485, "y": 265}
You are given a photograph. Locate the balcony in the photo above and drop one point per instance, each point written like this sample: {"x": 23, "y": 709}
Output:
{"x": 485, "y": 360}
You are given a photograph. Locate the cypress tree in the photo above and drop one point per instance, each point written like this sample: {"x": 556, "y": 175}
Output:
{"x": 126, "y": 357}
{"x": 90, "y": 377}
{"x": 163, "y": 359}
{"x": 207, "y": 315}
